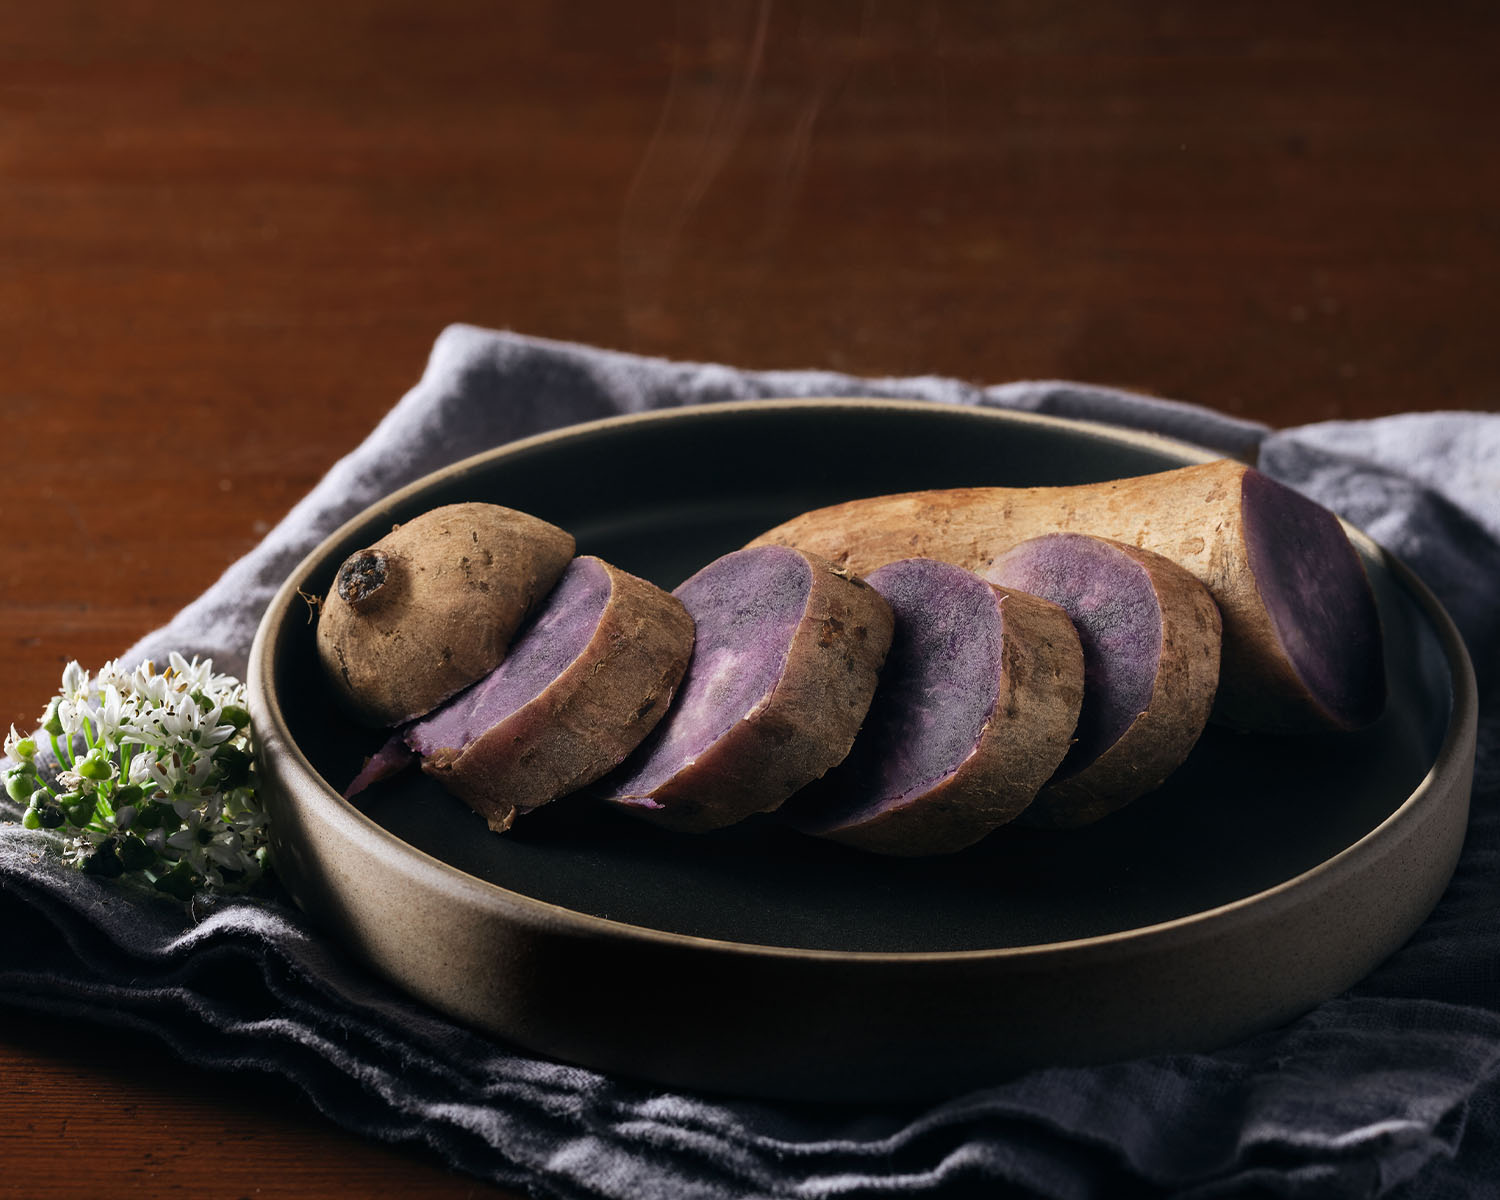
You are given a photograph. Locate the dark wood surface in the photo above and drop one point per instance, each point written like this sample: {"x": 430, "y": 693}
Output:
{"x": 229, "y": 235}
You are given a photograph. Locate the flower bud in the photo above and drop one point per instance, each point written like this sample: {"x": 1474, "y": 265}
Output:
{"x": 233, "y": 714}
{"x": 80, "y": 808}
{"x": 51, "y": 721}
{"x": 231, "y": 767}
{"x": 20, "y": 782}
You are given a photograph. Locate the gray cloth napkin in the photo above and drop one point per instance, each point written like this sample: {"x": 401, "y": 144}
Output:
{"x": 1389, "y": 1089}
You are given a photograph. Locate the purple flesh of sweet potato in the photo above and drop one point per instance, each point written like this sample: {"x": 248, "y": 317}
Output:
{"x": 1151, "y": 637}
{"x": 746, "y": 612}
{"x": 976, "y": 705}
{"x": 783, "y": 669}
{"x": 1321, "y": 609}
{"x": 588, "y": 678}
{"x": 938, "y": 688}
{"x": 391, "y": 759}
{"x": 1115, "y": 610}
{"x": 559, "y": 633}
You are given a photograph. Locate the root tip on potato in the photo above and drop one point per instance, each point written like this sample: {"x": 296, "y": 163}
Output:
{"x": 362, "y": 576}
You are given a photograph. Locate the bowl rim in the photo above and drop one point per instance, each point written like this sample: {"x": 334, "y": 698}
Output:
{"x": 516, "y": 907}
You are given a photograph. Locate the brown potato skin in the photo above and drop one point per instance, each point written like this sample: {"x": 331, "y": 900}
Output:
{"x": 585, "y": 721}
{"x": 1191, "y": 515}
{"x": 1027, "y": 736}
{"x": 804, "y": 727}
{"x": 461, "y": 578}
{"x": 1182, "y": 697}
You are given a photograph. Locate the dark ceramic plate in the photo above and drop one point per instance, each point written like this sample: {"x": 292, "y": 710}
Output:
{"x": 1268, "y": 874}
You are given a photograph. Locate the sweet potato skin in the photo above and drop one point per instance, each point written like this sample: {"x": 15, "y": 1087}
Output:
{"x": 1192, "y": 515}
{"x": 1026, "y": 737}
{"x": 804, "y": 727}
{"x": 1182, "y": 694}
{"x": 454, "y": 585}
{"x": 588, "y": 719}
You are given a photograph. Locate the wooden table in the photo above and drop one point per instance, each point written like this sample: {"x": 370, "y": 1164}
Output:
{"x": 229, "y": 234}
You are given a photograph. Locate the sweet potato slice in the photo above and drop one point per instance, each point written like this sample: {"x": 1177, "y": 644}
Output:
{"x": 431, "y": 607}
{"x": 1150, "y": 634}
{"x": 1302, "y": 647}
{"x": 975, "y": 710}
{"x": 787, "y": 654}
{"x": 587, "y": 679}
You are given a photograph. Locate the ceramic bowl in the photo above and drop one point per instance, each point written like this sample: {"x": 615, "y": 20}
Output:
{"x": 1266, "y": 876}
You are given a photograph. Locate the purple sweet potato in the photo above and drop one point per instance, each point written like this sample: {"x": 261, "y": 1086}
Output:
{"x": 391, "y": 759}
{"x": 431, "y": 607}
{"x": 976, "y": 706}
{"x": 785, "y": 664}
{"x": 1150, "y": 634}
{"x": 1302, "y": 645}
{"x": 587, "y": 679}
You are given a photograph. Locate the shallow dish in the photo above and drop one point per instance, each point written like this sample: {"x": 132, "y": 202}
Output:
{"x": 1266, "y": 876}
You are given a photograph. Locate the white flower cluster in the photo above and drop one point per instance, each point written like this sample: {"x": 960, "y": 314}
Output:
{"x": 152, "y": 772}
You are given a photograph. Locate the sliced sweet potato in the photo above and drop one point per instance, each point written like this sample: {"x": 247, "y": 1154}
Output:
{"x": 586, "y": 680}
{"x": 1302, "y": 647}
{"x": 431, "y": 607}
{"x": 787, "y": 653}
{"x": 1150, "y": 634}
{"x": 975, "y": 710}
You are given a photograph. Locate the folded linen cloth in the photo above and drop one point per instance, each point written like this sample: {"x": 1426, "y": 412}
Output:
{"x": 1390, "y": 1089}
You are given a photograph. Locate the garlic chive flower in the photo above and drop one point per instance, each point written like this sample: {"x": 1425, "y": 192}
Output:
{"x": 152, "y": 775}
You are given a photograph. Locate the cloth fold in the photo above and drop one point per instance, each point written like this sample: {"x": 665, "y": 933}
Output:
{"x": 1389, "y": 1089}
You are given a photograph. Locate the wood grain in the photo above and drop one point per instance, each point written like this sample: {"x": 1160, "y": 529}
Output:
{"x": 89, "y": 1113}
{"x": 229, "y": 235}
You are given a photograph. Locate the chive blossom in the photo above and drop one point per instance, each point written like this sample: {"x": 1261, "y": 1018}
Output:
{"x": 152, "y": 776}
